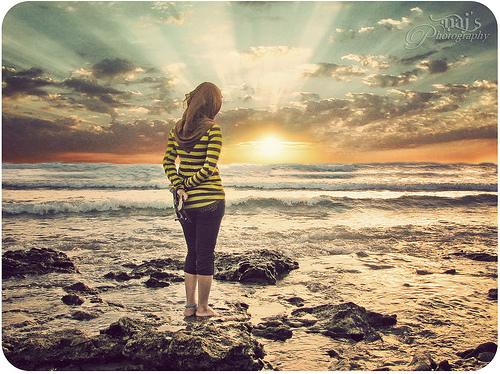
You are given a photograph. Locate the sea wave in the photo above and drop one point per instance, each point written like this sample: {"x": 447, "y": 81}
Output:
{"x": 322, "y": 201}
{"x": 85, "y": 185}
{"x": 485, "y": 187}
{"x": 281, "y": 185}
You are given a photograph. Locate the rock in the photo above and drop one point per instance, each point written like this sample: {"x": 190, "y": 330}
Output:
{"x": 95, "y": 299}
{"x": 295, "y": 300}
{"x": 80, "y": 288}
{"x": 486, "y": 347}
{"x": 153, "y": 282}
{"x": 450, "y": 271}
{"x": 261, "y": 266}
{"x": 423, "y": 272}
{"x": 466, "y": 354}
{"x": 485, "y": 257}
{"x": 58, "y": 349}
{"x": 35, "y": 261}
{"x": 378, "y": 266}
{"x": 362, "y": 254}
{"x": 72, "y": 299}
{"x": 406, "y": 285}
{"x": 444, "y": 366}
{"x": 273, "y": 330}
{"x": 81, "y": 315}
{"x": 149, "y": 267}
{"x": 493, "y": 294}
{"x": 481, "y": 348}
{"x": 120, "y": 276}
{"x": 486, "y": 356}
{"x": 224, "y": 343}
{"x": 115, "y": 304}
{"x": 332, "y": 353}
{"x": 124, "y": 328}
{"x": 347, "y": 320}
{"x": 129, "y": 265}
{"x": 171, "y": 277}
{"x": 299, "y": 322}
{"x": 422, "y": 363}
{"x": 24, "y": 324}
{"x": 154, "y": 268}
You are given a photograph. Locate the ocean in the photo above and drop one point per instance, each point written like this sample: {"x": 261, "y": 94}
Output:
{"x": 401, "y": 216}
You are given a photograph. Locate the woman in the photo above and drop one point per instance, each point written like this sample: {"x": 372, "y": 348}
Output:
{"x": 197, "y": 140}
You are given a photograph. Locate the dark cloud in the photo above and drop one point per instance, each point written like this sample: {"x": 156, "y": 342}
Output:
{"x": 326, "y": 105}
{"x": 112, "y": 67}
{"x": 435, "y": 66}
{"x": 94, "y": 96}
{"x": 360, "y": 121}
{"x": 405, "y": 136}
{"x": 399, "y": 119}
{"x": 415, "y": 58}
{"x": 78, "y": 93}
{"x": 388, "y": 80}
{"x": 459, "y": 92}
{"x": 25, "y": 137}
{"x": 89, "y": 87}
{"x": 25, "y": 82}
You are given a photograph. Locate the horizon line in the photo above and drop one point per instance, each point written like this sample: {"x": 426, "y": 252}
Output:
{"x": 256, "y": 163}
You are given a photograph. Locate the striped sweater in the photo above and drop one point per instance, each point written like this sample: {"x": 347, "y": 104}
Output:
{"x": 198, "y": 173}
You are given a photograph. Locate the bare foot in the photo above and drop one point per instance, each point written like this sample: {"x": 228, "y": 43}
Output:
{"x": 207, "y": 311}
{"x": 189, "y": 311}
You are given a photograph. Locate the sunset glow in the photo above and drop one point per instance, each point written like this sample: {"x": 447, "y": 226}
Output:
{"x": 270, "y": 146}
{"x": 336, "y": 75}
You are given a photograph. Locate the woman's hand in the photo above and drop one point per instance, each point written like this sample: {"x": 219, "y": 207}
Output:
{"x": 182, "y": 194}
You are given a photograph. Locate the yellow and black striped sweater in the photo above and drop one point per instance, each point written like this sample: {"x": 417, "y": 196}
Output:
{"x": 198, "y": 173}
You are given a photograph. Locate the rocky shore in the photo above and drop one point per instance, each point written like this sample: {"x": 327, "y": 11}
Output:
{"x": 230, "y": 341}
{"x": 222, "y": 343}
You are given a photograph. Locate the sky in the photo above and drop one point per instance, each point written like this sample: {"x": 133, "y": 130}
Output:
{"x": 302, "y": 82}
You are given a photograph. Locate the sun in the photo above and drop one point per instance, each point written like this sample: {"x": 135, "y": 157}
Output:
{"x": 270, "y": 146}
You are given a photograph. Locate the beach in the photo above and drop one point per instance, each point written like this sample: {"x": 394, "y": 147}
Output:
{"x": 413, "y": 240}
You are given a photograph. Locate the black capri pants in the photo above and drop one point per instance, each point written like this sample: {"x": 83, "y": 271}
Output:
{"x": 201, "y": 236}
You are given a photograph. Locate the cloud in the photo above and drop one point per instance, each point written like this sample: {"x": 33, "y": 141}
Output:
{"x": 83, "y": 91}
{"x": 384, "y": 24}
{"x": 402, "y": 135}
{"x": 336, "y": 71}
{"x": 93, "y": 96}
{"x": 429, "y": 66}
{"x": 459, "y": 91}
{"x": 89, "y": 87}
{"x": 272, "y": 51}
{"x": 371, "y": 61}
{"x": 415, "y": 58}
{"x": 358, "y": 121}
{"x": 25, "y": 136}
{"x": 169, "y": 12}
{"x": 305, "y": 96}
{"x": 416, "y": 10}
{"x": 387, "y": 80}
{"x": 368, "y": 121}
{"x": 434, "y": 66}
{"x": 394, "y": 24}
{"x": 110, "y": 68}
{"x": 24, "y": 82}
{"x": 412, "y": 118}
